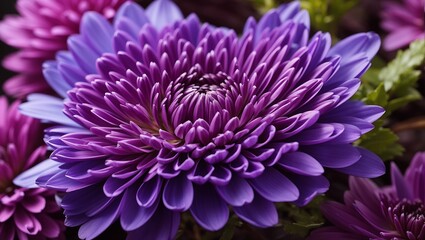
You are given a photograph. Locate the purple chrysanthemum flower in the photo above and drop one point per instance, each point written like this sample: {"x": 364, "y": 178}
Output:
{"x": 39, "y": 32}
{"x": 405, "y": 23}
{"x": 370, "y": 212}
{"x": 24, "y": 213}
{"x": 170, "y": 115}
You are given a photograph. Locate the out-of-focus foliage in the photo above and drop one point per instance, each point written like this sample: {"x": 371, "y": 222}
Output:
{"x": 265, "y": 5}
{"x": 300, "y": 221}
{"x": 398, "y": 79}
{"x": 391, "y": 87}
{"x": 325, "y": 15}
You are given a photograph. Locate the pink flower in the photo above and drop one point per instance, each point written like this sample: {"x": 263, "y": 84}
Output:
{"x": 42, "y": 29}
{"x": 24, "y": 213}
{"x": 405, "y": 23}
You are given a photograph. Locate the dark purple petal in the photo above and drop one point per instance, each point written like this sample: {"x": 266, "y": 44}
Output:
{"x": 237, "y": 192}
{"x": 369, "y": 165}
{"x": 208, "y": 209}
{"x": 301, "y": 163}
{"x": 401, "y": 186}
{"x": 260, "y": 212}
{"x": 148, "y": 192}
{"x": 163, "y": 225}
{"x": 100, "y": 222}
{"x": 334, "y": 155}
{"x": 133, "y": 215}
{"x": 178, "y": 194}
{"x": 275, "y": 187}
{"x": 310, "y": 187}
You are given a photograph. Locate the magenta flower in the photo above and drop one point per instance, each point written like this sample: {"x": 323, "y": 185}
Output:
{"x": 24, "y": 213}
{"x": 370, "y": 212}
{"x": 41, "y": 30}
{"x": 405, "y": 23}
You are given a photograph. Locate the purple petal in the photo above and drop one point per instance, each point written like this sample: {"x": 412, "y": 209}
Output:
{"x": 148, "y": 192}
{"x": 54, "y": 78}
{"x": 208, "y": 209}
{"x": 275, "y": 187}
{"x": 163, "y": 225}
{"x": 368, "y": 166}
{"x": 309, "y": 187}
{"x": 178, "y": 193}
{"x": 133, "y": 215}
{"x": 402, "y": 188}
{"x": 134, "y": 13}
{"x": 46, "y": 108}
{"x": 260, "y": 212}
{"x": 334, "y": 155}
{"x": 98, "y": 30}
{"x": 366, "y": 43}
{"x": 100, "y": 222}
{"x": 28, "y": 178}
{"x": 343, "y": 217}
{"x": 237, "y": 192}
{"x": 162, "y": 13}
{"x": 374, "y": 218}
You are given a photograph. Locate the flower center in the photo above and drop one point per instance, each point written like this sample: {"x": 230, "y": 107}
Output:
{"x": 407, "y": 217}
{"x": 202, "y": 94}
{"x": 6, "y": 187}
{"x": 204, "y": 83}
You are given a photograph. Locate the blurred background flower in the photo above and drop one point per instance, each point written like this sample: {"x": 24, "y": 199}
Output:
{"x": 404, "y": 22}
{"x": 38, "y": 32}
{"x": 24, "y": 213}
{"x": 370, "y": 212}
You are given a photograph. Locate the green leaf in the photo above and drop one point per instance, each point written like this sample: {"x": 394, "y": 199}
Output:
{"x": 399, "y": 79}
{"x": 229, "y": 229}
{"x": 377, "y": 97}
{"x": 383, "y": 142}
{"x": 392, "y": 87}
{"x": 301, "y": 220}
{"x": 325, "y": 15}
{"x": 403, "y": 66}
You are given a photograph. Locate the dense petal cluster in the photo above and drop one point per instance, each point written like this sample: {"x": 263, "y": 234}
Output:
{"x": 370, "y": 212}
{"x": 42, "y": 29}
{"x": 24, "y": 213}
{"x": 165, "y": 115}
{"x": 405, "y": 23}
